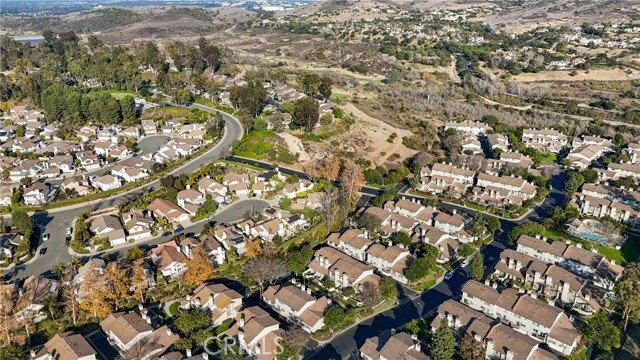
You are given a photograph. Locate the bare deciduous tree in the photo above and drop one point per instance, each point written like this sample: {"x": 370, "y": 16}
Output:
{"x": 265, "y": 270}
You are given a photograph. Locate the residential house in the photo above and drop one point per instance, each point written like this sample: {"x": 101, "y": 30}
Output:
{"x": 497, "y": 190}
{"x": 169, "y": 259}
{"x": 447, "y": 245}
{"x": 89, "y": 160}
{"x": 291, "y": 191}
{"x": 138, "y": 224}
{"x": 37, "y": 194}
{"x": 231, "y": 239}
{"x": 106, "y": 182}
{"x": 33, "y": 295}
{"x": 129, "y": 173}
{"x": 344, "y": 270}
{"x": 296, "y": 303}
{"x": 65, "y": 346}
{"x": 190, "y": 200}
{"x": 6, "y": 191}
{"x": 498, "y": 141}
{"x": 218, "y": 300}
{"x": 75, "y": 186}
{"x": 168, "y": 210}
{"x": 109, "y": 227}
{"x": 218, "y": 192}
{"x": 149, "y": 127}
{"x": 8, "y": 244}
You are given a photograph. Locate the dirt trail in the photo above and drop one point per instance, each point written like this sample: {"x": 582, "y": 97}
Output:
{"x": 295, "y": 146}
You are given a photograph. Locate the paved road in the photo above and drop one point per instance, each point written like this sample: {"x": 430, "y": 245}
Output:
{"x": 56, "y": 221}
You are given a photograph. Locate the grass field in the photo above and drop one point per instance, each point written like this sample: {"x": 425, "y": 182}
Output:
{"x": 630, "y": 251}
{"x": 115, "y": 93}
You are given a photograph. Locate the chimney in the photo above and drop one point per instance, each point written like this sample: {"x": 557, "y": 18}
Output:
{"x": 509, "y": 355}
{"x": 579, "y": 245}
{"x": 477, "y": 337}
{"x": 293, "y": 281}
{"x": 454, "y": 211}
{"x": 389, "y": 243}
{"x": 169, "y": 331}
{"x": 147, "y": 319}
{"x": 205, "y": 356}
{"x": 612, "y": 261}
{"x": 329, "y": 301}
{"x": 544, "y": 238}
{"x": 33, "y": 353}
{"x": 490, "y": 344}
{"x": 309, "y": 291}
{"x": 303, "y": 288}
{"x": 495, "y": 285}
{"x": 537, "y": 236}
{"x": 188, "y": 352}
{"x": 140, "y": 307}
{"x": 487, "y": 282}
{"x": 534, "y": 295}
{"x": 242, "y": 321}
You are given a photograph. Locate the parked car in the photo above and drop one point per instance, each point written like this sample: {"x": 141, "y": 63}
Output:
{"x": 45, "y": 236}
{"x": 210, "y": 217}
{"x": 464, "y": 263}
{"x": 448, "y": 275}
{"x": 43, "y": 251}
{"x": 69, "y": 231}
{"x": 179, "y": 229}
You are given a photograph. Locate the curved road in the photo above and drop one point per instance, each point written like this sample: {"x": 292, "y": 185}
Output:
{"x": 56, "y": 221}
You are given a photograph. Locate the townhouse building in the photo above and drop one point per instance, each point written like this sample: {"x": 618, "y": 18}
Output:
{"x": 524, "y": 313}
{"x": 582, "y": 262}
{"x": 217, "y": 300}
{"x": 544, "y": 139}
{"x": 259, "y": 334}
{"x": 620, "y": 170}
{"x": 127, "y": 330}
{"x": 390, "y": 260}
{"x": 473, "y": 127}
{"x": 344, "y": 270}
{"x": 353, "y": 242}
{"x": 446, "y": 179}
{"x": 390, "y": 345}
{"x": 584, "y": 155}
{"x": 66, "y": 345}
{"x": 296, "y": 303}
{"x": 600, "y": 207}
{"x": 498, "y": 339}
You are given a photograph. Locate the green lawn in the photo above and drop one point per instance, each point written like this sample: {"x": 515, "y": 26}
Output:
{"x": 425, "y": 285}
{"x": 173, "y": 308}
{"x": 118, "y": 94}
{"x": 630, "y": 251}
{"x": 579, "y": 354}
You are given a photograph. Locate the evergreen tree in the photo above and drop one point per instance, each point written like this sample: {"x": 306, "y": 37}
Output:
{"x": 477, "y": 267}
{"x": 442, "y": 346}
{"x": 128, "y": 106}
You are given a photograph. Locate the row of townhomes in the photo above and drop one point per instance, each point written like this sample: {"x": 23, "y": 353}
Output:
{"x": 97, "y": 160}
{"x": 483, "y": 188}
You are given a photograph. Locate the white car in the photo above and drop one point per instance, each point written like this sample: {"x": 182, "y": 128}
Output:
{"x": 69, "y": 231}
{"x": 45, "y": 236}
{"x": 464, "y": 263}
{"x": 448, "y": 275}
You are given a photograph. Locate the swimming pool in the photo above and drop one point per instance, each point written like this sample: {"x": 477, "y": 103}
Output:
{"x": 594, "y": 237}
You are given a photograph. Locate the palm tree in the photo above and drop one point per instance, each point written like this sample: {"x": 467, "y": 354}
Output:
{"x": 59, "y": 270}
{"x": 74, "y": 264}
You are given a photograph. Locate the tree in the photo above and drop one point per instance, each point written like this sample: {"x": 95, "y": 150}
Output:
{"x": 602, "y": 332}
{"x": 401, "y": 238}
{"x": 370, "y": 294}
{"x": 70, "y": 295}
{"x": 134, "y": 254}
{"x": 118, "y": 282}
{"x": 413, "y": 327}
{"x": 528, "y": 228}
{"x": 493, "y": 224}
{"x": 96, "y": 294}
{"x": 393, "y": 76}
{"x": 628, "y": 291}
{"x": 477, "y": 267}
{"x": 477, "y": 227}
{"x": 471, "y": 349}
{"x": 199, "y": 267}
{"x": 128, "y": 106}
{"x": 253, "y": 248}
{"x": 191, "y": 321}
{"x": 388, "y": 289}
{"x": 265, "y": 270}
{"x": 442, "y": 346}
{"x": 298, "y": 258}
{"x": 334, "y": 318}
{"x": 11, "y": 352}
{"x": 418, "y": 269}
{"x": 351, "y": 179}
{"x": 8, "y": 323}
{"x": 328, "y": 201}
{"x": 305, "y": 113}
{"x": 139, "y": 280}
